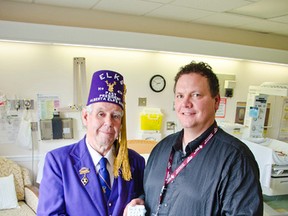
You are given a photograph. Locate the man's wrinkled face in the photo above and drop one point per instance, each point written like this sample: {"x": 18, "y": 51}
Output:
{"x": 103, "y": 124}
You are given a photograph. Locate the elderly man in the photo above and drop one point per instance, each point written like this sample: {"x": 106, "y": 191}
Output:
{"x": 97, "y": 175}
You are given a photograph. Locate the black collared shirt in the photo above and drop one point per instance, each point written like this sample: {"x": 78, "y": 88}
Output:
{"x": 191, "y": 146}
{"x": 223, "y": 179}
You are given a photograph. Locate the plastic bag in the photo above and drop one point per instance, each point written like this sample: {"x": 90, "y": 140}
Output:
{"x": 24, "y": 137}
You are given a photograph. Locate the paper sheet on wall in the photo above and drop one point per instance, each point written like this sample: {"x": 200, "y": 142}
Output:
{"x": 46, "y": 105}
{"x": 9, "y": 129}
{"x": 221, "y": 112}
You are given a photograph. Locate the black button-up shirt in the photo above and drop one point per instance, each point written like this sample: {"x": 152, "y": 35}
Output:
{"x": 223, "y": 179}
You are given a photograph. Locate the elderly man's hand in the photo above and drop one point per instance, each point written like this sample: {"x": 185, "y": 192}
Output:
{"x": 133, "y": 202}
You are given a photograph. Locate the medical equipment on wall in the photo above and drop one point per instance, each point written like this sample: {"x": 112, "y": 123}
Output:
{"x": 9, "y": 108}
{"x": 151, "y": 124}
{"x": 56, "y": 128}
{"x": 256, "y": 107}
{"x": 270, "y": 152}
{"x": 79, "y": 81}
{"x": 229, "y": 86}
{"x": 255, "y": 113}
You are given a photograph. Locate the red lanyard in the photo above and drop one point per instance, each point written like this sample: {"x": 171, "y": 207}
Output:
{"x": 170, "y": 177}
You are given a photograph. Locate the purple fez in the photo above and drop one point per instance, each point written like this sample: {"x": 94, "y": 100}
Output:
{"x": 107, "y": 86}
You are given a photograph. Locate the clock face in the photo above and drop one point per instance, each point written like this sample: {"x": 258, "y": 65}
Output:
{"x": 157, "y": 83}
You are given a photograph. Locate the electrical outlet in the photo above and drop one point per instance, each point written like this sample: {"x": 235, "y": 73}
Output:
{"x": 142, "y": 101}
{"x": 170, "y": 125}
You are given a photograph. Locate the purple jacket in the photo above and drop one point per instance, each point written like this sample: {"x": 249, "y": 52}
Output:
{"x": 62, "y": 192}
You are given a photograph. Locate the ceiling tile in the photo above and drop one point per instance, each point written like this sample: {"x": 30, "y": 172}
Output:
{"x": 255, "y": 15}
{"x": 183, "y": 13}
{"x": 127, "y": 6}
{"x": 214, "y": 6}
{"x": 225, "y": 19}
{"x": 281, "y": 19}
{"x": 264, "y": 9}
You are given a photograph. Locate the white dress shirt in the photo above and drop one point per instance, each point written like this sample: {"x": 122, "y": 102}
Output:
{"x": 96, "y": 158}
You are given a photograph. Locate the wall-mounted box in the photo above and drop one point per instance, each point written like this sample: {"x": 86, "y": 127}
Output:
{"x": 62, "y": 129}
{"x": 67, "y": 128}
{"x": 222, "y": 78}
{"x": 229, "y": 84}
{"x": 46, "y": 129}
{"x": 151, "y": 119}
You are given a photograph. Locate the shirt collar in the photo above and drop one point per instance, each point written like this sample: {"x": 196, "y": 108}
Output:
{"x": 96, "y": 156}
{"x": 194, "y": 143}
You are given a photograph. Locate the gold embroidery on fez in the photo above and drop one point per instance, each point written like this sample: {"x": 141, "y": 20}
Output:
{"x": 110, "y": 86}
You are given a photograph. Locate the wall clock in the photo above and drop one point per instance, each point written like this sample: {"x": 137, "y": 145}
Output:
{"x": 157, "y": 83}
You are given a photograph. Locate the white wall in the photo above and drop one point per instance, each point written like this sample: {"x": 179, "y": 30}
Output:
{"x": 29, "y": 69}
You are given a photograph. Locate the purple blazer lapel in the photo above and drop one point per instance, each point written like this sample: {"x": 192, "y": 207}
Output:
{"x": 85, "y": 168}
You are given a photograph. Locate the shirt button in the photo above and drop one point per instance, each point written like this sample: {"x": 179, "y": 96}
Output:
{"x": 110, "y": 204}
{"x": 165, "y": 204}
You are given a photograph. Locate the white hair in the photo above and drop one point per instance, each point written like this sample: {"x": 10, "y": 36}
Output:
{"x": 89, "y": 109}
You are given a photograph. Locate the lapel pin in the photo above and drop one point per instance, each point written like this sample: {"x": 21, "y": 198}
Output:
{"x": 83, "y": 171}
